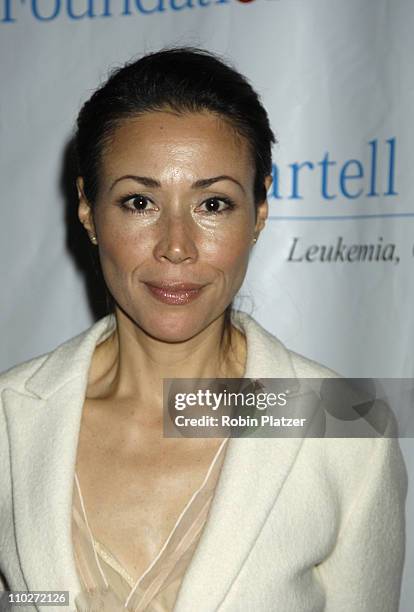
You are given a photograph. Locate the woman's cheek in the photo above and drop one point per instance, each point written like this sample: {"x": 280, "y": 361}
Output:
{"x": 233, "y": 265}
{"x": 122, "y": 242}
{"x": 233, "y": 252}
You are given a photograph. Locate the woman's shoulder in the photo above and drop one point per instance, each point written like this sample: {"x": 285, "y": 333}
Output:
{"x": 62, "y": 360}
{"x": 16, "y": 376}
{"x": 270, "y": 357}
{"x": 343, "y": 402}
{"x": 305, "y": 367}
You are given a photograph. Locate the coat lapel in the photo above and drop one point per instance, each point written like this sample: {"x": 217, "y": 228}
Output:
{"x": 42, "y": 451}
{"x": 43, "y": 423}
{"x": 251, "y": 478}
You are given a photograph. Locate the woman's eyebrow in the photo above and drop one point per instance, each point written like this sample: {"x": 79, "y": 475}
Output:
{"x": 151, "y": 182}
{"x": 209, "y": 181}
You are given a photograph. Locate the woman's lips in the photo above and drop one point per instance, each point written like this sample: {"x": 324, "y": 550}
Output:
{"x": 181, "y": 294}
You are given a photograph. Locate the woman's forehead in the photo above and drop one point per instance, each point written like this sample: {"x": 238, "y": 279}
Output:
{"x": 204, "y": 127}
{"x": 160, "y": 141}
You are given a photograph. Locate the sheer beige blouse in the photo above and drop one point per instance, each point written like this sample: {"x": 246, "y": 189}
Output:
{"x": 106, "y": 586}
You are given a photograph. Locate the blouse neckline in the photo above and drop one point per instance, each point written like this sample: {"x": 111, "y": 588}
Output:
{"x": 182, "y": 537}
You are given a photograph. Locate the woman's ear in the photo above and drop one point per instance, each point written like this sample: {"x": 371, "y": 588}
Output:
{"x": 85, "y": 214}
{"x": 263, "y": 207}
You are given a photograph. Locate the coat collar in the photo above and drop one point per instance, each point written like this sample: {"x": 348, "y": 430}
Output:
{"x": 69, "y": 360}
{"x": 43, "y": 424}
{"x": 265, "y": 355}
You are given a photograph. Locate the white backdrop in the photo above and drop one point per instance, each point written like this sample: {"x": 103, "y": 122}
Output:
{"x": 332, "y": 274}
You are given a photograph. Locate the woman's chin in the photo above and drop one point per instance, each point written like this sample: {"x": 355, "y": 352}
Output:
{"x": 174, "y": 326}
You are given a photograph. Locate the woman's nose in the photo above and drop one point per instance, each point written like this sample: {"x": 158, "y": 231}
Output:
{"x": 176, "y": 241}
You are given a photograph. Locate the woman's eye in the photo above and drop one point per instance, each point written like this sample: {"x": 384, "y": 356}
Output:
{"x": 217, "y": 205}
{"x": 140, "y": 204}
{"x": 136, "y": 204}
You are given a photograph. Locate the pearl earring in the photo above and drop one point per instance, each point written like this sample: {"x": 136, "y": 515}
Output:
{"x": 94, "y": 239}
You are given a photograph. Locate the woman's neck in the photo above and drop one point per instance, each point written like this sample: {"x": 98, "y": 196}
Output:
{"x": 130, "y": 365}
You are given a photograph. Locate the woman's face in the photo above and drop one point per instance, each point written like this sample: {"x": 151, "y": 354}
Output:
{"x": 175, "y": 205}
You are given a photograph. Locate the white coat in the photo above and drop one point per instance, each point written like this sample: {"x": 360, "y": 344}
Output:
{"x": 296, "y": 524}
